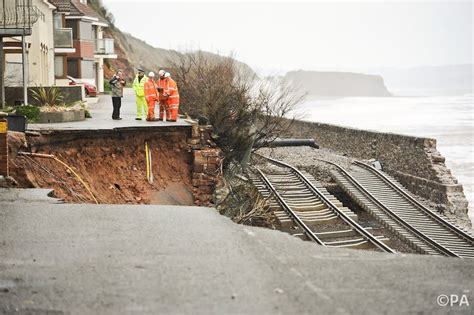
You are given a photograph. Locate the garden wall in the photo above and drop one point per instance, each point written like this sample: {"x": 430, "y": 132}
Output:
{"x": 71, "y": 94}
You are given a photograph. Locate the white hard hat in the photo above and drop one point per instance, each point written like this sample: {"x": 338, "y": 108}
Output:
{"x": 151, "y": 74}
{"x": 167, "y": 75}
{"x": 162, "y": 73}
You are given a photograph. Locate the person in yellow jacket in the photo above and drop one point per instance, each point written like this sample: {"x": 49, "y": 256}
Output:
{"x": 139, "y": 88}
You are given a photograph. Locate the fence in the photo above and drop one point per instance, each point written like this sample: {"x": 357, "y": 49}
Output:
{"x": 17, "y": 15}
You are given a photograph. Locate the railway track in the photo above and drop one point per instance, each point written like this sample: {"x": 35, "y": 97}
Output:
{"x": 308, "y": 210}
{"x": 393, "y": 206}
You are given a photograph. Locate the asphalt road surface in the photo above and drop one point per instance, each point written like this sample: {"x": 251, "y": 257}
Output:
{"x": 102, "y": 117}
{"x": 94, "y": 259}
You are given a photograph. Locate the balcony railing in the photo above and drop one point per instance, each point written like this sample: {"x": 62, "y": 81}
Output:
{"x": 63, "y": 38}
{"x": 104, "y": 46}
{"x": 17, "y": 15}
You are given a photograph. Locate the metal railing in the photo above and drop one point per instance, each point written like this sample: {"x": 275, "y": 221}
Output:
{"x": 63, "y": 38}
{"x": 17, "y": 14}
{"x": 104, "y": 46}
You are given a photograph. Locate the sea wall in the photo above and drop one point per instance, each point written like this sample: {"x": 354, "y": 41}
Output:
{"x": 414, "y": 161}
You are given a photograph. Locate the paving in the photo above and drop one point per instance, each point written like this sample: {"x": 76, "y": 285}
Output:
{"x": 101, "y": 113}
{"x": 118, "y": 259}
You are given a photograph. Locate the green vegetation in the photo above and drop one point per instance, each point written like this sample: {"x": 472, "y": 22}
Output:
{"x": 31, "y": 112}
{"x": 98, "y": 7}
{"x": 86, "y": 109}
{"x": 47, "y": 96}
{"x": 107, "y": 88}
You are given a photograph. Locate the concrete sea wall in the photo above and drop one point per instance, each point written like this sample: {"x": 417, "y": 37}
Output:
{"x": 414, "y": 161}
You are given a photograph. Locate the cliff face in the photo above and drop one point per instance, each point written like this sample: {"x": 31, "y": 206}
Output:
{"x": 135, "y": 53}
{"x": 338, "y": 83}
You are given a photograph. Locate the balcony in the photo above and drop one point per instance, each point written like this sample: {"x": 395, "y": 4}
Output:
{"x": 104, "y": 46}
{"x": 63, "y": 38}
{"x": 17, "y": 17}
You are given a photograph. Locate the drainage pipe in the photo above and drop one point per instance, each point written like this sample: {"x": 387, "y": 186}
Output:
{"x": 289, "y": 143}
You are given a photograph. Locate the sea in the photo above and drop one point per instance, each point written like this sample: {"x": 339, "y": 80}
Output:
{"x": 448, "y": 119}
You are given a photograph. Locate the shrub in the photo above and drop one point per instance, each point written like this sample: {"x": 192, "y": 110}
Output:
{"x": 242, "y": 110}
{"x": 47, "y": 97}
{"x": 107, "y": 88}
{"x": 31, "y": 112}
{"x": 86, "y": 109}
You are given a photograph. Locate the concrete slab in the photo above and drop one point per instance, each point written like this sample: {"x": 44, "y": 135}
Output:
{"x": 102, "y": 117}
{"x": 89, "y": 259}
{"x": 23, "y": 195}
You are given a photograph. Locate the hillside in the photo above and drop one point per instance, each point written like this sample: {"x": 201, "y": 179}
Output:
{"x": 135, "y": 53}
{"x": 338, "y": 83}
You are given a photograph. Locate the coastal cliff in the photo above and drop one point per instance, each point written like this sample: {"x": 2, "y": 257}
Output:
{"x": 133, "y": 53}
{"x": 338, "y": 83}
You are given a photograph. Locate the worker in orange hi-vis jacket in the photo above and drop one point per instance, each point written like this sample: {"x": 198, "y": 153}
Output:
{"x": 171, "y": 93}
{"x": 161, "y": 87}
{"x": 151, "y": 95}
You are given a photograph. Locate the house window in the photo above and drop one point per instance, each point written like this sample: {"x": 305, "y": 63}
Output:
{"x": 73, "y": 68}
{"x": 59, "y": 67}
{"x": 74, "y": 25}
{"x": 85, "y": 30}
{"x": 57, "y": 21}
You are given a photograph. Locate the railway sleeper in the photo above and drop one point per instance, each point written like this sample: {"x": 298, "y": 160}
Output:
{"x": 359, "y": 243}
{"x": 302, "y": 208}
{"x": 314, "y": 216}
{"x": 312, "y": 222}
{"x": 304, "y": 211}
{"x": 413, "y": 241}
{"x": 338, "y": 234}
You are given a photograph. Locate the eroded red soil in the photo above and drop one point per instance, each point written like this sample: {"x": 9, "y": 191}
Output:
{"x": 114, "y": 167}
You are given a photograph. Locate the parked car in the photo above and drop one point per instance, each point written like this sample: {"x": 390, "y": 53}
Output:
{"x": 91, "y": 89}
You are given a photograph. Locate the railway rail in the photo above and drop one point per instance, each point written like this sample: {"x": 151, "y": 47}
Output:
{"x": 318, "y": 215}
{"x": 393, "y": 206}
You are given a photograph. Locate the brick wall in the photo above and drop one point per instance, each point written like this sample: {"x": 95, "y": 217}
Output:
{"x": 207, "y": 160}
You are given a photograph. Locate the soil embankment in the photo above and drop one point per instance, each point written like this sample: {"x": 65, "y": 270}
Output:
{"x": 112, "y": 165}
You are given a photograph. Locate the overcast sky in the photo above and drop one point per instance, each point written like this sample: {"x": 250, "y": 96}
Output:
{"x": 273, "y": 36}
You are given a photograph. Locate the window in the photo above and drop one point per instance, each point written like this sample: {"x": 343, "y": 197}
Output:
{"x": 59, "y": 67}
{"x": 85, "y": 30}
{"x": 74, "y": 25}
{"x": 57, "y": 21}
{"x": 73, "y": 68}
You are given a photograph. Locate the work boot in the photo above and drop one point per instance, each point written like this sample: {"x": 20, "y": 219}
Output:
{"x": 138, "y": 118}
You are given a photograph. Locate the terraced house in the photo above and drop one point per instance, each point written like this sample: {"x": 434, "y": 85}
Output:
{"x": 75, "y": 22}
{"x": 47, "y": 41}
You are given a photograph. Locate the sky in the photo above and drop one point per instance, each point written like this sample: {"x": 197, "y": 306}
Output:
{"x": 311, "y": 35}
